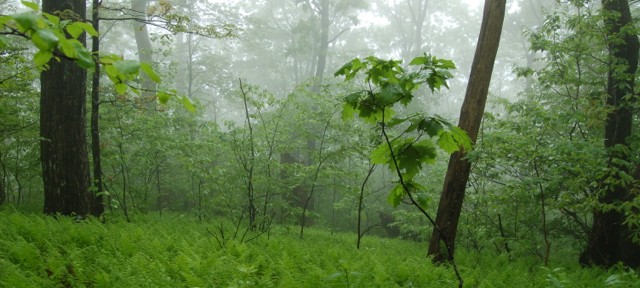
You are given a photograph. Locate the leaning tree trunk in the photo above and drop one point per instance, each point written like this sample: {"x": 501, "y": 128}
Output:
{"x": 610, "y": 239}
{"x": 470, "y": 118}
{"x": 63, "y": 144}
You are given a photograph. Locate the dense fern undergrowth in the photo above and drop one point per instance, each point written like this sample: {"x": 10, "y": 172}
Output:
{"x": 179, "y": 251}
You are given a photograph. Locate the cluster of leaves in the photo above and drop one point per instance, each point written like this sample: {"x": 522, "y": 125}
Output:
{"x": 388, "y": 85}
{"x": 49, "y": 34}
{"x": 60, "y": 37}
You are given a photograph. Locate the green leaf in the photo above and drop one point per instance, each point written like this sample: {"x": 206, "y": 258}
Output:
{"x": 75, "y": 29}
{"x": 423, "y": 200}
{"x": 55, "y": 20}
{"x": 4, "y": 19}
{"x": 447, "y": 142}
{"x": 26, "y": 21}
{"x": 350, "y": 69}
{"x": 163, "y": 97}
{"x": 112, "y": 73}
{"x": 121, "y": 88}
{"x": 462, "y": 137}
{"x": 389, "y": 95}
{"x": 432, "y": 126}
{"x": 454, "y": 140}
{"x": 396, "y": 195}
{"x": 444, "y": 64}
{"x": 148, "y": 70}
{"x": 83, "y": 56}
{"x": 395, "y": 121}
{"x": 67, "y": 48}
{"x": 45, "y": 39}
{"x": 186, "y": 102}
{"x": 421, "y": 60}
{"x": 381, "y": 155}
{"x": 410, "y": 156}
{"x": 31, "y": 5}
{"x": 348, "y": 112}
{"x": 109, "y": 59}
{"x": 127, "y": 67}
{"x": 41, "y": 58}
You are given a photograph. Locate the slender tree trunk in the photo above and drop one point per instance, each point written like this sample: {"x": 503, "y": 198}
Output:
{"x": 3, "y": 177}
{"x": 249, "y": 163}
{"x": 418, "y": 16}
{"x": 610, "y": 239}
{"x": 63, "y": 144}
{"x": 97, "y": 207}
{"x": 457, "y": 176}
{"x": 307, "y": 202}
{"x": 361, "y": 204}
{"x": 145, "y": 51}
{"x": 323, "y": 43}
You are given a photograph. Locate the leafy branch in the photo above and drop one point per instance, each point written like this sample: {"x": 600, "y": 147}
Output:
{"x": 57, "y": 38}
{"x": 173, "y": 22}
{"x": 390, "y": 84}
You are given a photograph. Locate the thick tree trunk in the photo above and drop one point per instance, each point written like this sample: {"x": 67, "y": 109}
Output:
{"x": 610, "y": 240}
{"x": 63, "y": 144}
{"x": 97, "y": 207}
{"x": 470, "y": 118}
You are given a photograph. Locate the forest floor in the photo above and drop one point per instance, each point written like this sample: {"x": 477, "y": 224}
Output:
{"x": 179, "y": 251}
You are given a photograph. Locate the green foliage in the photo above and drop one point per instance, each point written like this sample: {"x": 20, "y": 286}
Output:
{"x": 548, "y": 145}
{"x": 48, "y": 33}
{"x": 392, "y": 83}
{"x": 57, "y": 38}
{"x": 19, "y": 134}
{"x": 388, "y": 84}
{"x": 174, "y": 251}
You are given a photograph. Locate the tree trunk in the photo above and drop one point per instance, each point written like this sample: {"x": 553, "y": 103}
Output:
{"x": 470, "y": 118}
{"x": 610, "y": 239}
{"x": 97, "y": 207}
{"x": 323, "y": 43}
{"x": 63, "y": 144}
{"x": 418, "y": 16}
{"x": 145, "y": 51}
{"x": 3, "y": 193}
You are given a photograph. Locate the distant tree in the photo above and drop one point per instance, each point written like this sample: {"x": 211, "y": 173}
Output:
{"x": 610, "y": 240}
{"x": 63, "y": 144}
{"x": 471, "y": 113}
{"x": 145, "y": 50}
{"x": 411, "y": 26}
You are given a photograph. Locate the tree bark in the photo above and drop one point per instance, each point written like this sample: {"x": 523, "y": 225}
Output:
{"x": 97, "y": 207}
{"x": 145, "y": 51}
{"x": 63, "y": 144}
{"x": 610, "y": 239}
{"x": 471, "y": 113}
